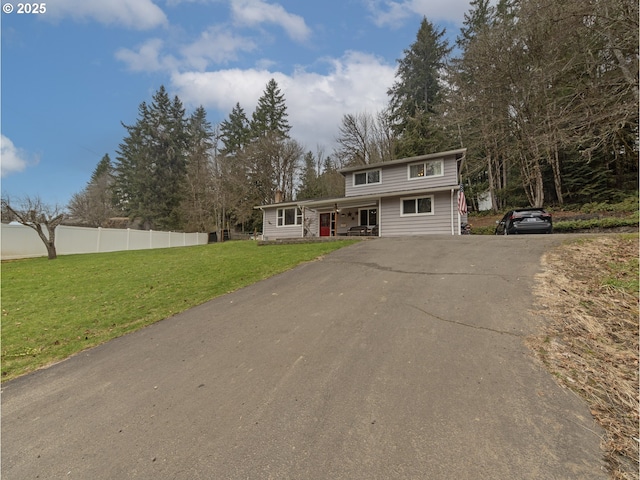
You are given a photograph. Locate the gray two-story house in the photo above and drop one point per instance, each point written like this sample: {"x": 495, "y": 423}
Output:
{"x": 410, "y": 196}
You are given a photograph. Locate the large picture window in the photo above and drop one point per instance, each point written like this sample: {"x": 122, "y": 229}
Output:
{"x": 431, "y": 168}
{"x": 417, "y": 206}
{"x": 366, "y": 178}
{"x": 289, "y": 216}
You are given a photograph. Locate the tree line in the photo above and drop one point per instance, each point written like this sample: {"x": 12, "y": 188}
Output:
{"x": 545, "y": 95}
{"x": 178, "y": 172}
{"x": 542, "y": 93}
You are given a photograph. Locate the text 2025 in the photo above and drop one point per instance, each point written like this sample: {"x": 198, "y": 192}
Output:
{"x": 31, "y": 8}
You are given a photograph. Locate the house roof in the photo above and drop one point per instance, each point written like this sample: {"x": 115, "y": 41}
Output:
{"x": 364, "y": 200}
{"x": 459, "y": 154}
{"x": 279, "y": 205}
{"x": 360, "y": 200}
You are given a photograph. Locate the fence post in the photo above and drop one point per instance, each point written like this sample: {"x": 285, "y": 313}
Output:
{"x": 98, "y": 242}
{"x": 128, "y": 235}
{"x": 150, "y": 238}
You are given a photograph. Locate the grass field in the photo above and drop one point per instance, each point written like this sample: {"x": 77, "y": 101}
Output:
{"x": 53, "y": 309}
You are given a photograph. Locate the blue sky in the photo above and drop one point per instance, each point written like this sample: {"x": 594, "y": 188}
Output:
{"x": 72, "y": 74}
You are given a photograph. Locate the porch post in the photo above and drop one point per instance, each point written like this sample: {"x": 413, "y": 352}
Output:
{"x": 459, "y": 215}
{"x": 452, "y": 227}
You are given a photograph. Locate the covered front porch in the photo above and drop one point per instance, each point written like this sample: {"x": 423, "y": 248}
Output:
{"x": 345, "y": 217}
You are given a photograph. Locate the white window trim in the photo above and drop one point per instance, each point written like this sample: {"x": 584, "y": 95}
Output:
{"x": 367, "y": 209}
{"x": 432, "y": 212}
{"x": 424, "y": 162}
{"x": 299, "y": 220}
{"x": 379, "y": 170}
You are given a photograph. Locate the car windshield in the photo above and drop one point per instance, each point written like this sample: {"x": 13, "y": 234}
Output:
{"x": 529, "y": 213}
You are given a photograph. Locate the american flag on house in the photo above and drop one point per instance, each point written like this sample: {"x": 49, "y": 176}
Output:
{"x": 462, "y": 201}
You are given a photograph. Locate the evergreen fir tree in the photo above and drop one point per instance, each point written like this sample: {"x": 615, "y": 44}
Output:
{"x": 309, "y": 184}
{"x": 93, "y": 205}
{"x": 235, "y": 132}
{"x": 152, "y": 163}
{"x": 416, "y": 95}
{"x": 331, "y": 181}
{"x": 475, "y": 21}
{"x": 103, "y": 169}
{"x": 270, "y": 116}
{"x": 198, "y": 206}
{"x": 131, "y": 166}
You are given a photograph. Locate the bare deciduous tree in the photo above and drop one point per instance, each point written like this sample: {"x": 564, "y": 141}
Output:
{"x": 273, "y": 164}
{"x": 365, "y": 139}
{"x": 545, "y": 88}
{"x": 93, "y": 206}
{"x": 34, "y": 213}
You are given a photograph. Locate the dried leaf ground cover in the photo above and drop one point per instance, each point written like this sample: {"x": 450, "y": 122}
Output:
{"x": 589, "y": 289}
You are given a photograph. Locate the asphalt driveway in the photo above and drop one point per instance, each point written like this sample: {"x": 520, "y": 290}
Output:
{"x": 391, "y": 359}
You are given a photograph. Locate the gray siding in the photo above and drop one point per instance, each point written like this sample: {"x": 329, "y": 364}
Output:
{"x": 395, "y": 178}
{"x": 345, "y": 223}
{"x": 392, "y": 224}
{"x": 270, "y": 229}
{"x": 311, "y": 221}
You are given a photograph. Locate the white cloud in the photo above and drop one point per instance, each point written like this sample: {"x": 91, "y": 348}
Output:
{"x": 393, "y": 13}
{"x": 135, "y": 14}
{"x": 174, "y": 3}
{"x": 12, "y": 158}
{"x": 223, "y": 88}
{"x": 147, "y": 57}
{"x": 256, "y": 12}
{"x": 217, "y": 45}
{"x": 316, "y": 102}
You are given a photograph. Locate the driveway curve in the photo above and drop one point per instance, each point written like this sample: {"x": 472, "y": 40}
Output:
{"x": 395, "y": 358}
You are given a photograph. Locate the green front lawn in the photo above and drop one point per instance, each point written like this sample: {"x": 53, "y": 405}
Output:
{"x": 53, "y": 309}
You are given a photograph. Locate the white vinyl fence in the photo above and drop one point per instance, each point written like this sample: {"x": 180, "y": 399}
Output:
{"x": 18, "y": 241}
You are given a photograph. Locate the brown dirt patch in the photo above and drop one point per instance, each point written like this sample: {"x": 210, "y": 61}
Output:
{"x": 591, "y": 341}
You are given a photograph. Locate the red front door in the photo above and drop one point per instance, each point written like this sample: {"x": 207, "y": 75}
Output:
{"x": 325, "y": 224}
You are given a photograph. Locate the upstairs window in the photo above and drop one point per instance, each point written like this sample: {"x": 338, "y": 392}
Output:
{"x": 366, "y": 178}
{"x": 430, "y": 168}
{"x": 289, "y": 216}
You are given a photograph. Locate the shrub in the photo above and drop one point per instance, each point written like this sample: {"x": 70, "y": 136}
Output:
{"x": 629, "y": 204}
{"x": 488, "y": 230}
{"x": 600, "y": 223}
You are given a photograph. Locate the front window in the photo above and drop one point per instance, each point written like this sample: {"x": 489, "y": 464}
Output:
{"x": 432, "y": 168}
{"x": 417, "y": 206}
{"x": 369, "y": 217}
{"x": 289, "y": 216}
{"x": 365, "y": 178}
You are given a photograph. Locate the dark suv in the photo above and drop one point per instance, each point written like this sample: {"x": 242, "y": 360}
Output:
{"x": 525, "y": 220}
